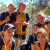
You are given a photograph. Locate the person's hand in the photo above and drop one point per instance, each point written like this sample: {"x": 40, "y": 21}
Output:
{"x": 23, "y": 23}
{"x": 7, "y": 19}
{"x": 18, "y": 21}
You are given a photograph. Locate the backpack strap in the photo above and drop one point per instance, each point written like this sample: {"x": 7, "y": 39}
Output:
{"x": 1, "y": 43}
{"x": 49, "y": 46}
{"x": 13, "y": 45}
{"x": 5, "y": 14}
{"x": 27, "y": 17}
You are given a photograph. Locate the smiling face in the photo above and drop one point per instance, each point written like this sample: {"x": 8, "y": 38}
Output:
{"x": 22, "y": 7}
{"x": 8, "y": 33}
{"x": 41, "y": 20}
{"x": 35, "y": 28}
{"x": 48, "y": 26}
{"x": 11, "y": 8}
{"x": 41, "y": 38}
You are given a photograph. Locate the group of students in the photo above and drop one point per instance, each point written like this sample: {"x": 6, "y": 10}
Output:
{"x": 40, "y": 38}
{"x": 13, "y": 25}
{"x": 19, "y": 19}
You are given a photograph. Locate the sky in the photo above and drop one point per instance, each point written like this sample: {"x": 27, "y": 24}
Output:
{"x": 7, "y": 2}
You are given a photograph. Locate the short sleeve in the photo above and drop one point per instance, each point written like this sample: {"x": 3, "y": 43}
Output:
{"x": 13, "y": 44}
{"x": 2, "y": 17}
{"x": 12, "y": 18}
{"x": 27, "y": 17}
{"x": 31, "y": 39}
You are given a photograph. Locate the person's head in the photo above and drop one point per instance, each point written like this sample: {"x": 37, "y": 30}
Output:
{"x": 41, "y": 18}
{"x": 11, "y": 8}
{"x": 47, "y": 22}
{"x": 22, "y": 6}
{"x": 8, "y": 30}
{"x": 42, "y": 36}
{"x": 35, "y": 28}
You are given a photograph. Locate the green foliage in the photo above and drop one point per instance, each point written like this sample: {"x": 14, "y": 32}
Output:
{"x": 3, "y": 8}
{"x": 46, "y": 10}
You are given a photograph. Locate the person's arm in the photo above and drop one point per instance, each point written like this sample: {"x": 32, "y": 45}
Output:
{"x": 32, "y": 47}
{"x": 2, "y": 21}
{"x": 13, "y": 19}
{"x": 25, "y": 23}
{"x": 15, "y": 22}
{"x": 6, "y": 20}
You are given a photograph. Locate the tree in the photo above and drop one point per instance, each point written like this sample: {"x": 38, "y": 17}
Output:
{"x": 43, "y": 3}
{"x": 3, "y": 7}
{"x": 35, "y": 6}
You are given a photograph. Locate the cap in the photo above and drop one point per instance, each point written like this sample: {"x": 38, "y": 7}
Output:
{"x": 48, "y": 17}
{"x": 8, "y": 26}
{"x": 47, "y": 21}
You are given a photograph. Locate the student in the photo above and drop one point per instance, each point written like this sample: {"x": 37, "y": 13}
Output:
{"x": 7, "y": 43}
{"x": 43, "y": 40}
{"x": 47, "y": 23}
{"x": 41, "y": 19}
{"x": 33, "y": 37}
{"x": 7, "y": 17}
{"x": 22, "y": 20}
{"x": 35, "y": 28}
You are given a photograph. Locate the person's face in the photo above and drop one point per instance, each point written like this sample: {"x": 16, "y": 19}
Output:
{"x": 41, "y": 38}
{"x": 35, "y": 28}
{"x": 41, "y": 19}
{"x": 22, "y": 7}
{"x": 11, "y": 8}
{"x": 9, "y": 33}
{"x": 48, "y": 26}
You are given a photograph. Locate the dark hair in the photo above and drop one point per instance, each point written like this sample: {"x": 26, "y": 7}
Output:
{"x": 47, "y": 23}
{"x": 35, "y": 25}
{"x": 12, "y": 5}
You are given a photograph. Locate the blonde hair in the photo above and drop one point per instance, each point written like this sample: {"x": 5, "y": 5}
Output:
{"x": 43, "y": 31}
{"x": 22, "y": 3}
{"x": 41, "y": 14}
